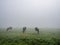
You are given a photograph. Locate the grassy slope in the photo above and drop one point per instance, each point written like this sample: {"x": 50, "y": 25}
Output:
{"x": 16, "y": 37}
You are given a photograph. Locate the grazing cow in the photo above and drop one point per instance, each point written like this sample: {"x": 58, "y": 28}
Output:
{"x": 9, "y": 28}
{"x": 37, "y": 29}
{"x": 24, "y": 28}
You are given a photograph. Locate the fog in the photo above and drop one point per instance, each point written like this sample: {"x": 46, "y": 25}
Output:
{"x": 30, "y": 13}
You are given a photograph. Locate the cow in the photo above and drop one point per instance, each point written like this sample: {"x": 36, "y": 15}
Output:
{"x": 24, "y": 29}
{"x": 9, "y": 28}
{"x": 37, "y": 29}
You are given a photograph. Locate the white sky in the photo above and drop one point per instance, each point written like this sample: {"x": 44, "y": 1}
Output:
{"x": 30, "y": 13}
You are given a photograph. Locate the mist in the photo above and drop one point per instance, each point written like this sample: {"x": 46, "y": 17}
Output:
{"x": 30, "y": 13}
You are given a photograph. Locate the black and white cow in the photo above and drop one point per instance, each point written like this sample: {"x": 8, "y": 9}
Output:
{"x": 9, "y": 28}
{"x": 37, "y": 29}
{"x": 24, "y": 29}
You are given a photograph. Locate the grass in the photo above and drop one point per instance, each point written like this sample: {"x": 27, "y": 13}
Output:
{"x": 30, "y": 37}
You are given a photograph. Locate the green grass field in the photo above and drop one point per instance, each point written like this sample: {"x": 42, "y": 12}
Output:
{"x": 15, "y": 36}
